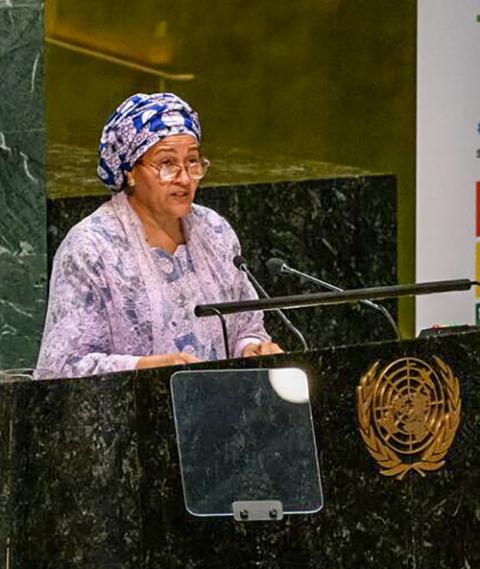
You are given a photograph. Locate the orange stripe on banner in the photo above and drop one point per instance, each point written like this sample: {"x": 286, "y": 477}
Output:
{"x": 478, "y": 209}
{"x": 478, "y": 269}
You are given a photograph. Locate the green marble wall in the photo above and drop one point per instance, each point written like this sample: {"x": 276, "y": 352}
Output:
{"x": 22, "y": 188}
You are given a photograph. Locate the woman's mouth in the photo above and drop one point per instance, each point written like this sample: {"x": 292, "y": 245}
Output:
{"x": 181, "y": 195}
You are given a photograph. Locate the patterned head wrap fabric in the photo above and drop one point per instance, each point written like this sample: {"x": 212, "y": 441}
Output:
{"x": 136, "y": 125}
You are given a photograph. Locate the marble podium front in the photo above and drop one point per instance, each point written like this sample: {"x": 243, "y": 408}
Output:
{"x": 90, "y": 477}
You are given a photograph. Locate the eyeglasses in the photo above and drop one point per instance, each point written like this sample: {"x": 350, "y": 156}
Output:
{"x": 167, "y": 170}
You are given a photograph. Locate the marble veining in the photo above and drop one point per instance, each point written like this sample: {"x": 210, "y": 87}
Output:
{"x": 95, "y": 478}
{"x": 22, "y": 189}
{"x": 14, "y": 5}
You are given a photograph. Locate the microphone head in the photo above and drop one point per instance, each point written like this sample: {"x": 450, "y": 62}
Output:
{"x": 240, "y": 262}
{"x": 275, "y": 265}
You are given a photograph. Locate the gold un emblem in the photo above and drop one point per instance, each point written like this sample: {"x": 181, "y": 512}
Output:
{"x": 408, "y": 414}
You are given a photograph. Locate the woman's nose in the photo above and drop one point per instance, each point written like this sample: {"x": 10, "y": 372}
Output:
{"x": 183, "y": 177}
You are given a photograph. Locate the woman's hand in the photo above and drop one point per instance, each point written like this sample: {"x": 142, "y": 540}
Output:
{"x": 161, "y": 360}
{"x": 262, "y": 349}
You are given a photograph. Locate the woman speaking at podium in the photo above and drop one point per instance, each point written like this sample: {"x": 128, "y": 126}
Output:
{"x": 126, "y": 279}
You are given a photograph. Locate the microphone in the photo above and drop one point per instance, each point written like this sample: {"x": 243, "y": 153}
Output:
{"x": 276, "y": 266}
{"x": 241, "y": 264}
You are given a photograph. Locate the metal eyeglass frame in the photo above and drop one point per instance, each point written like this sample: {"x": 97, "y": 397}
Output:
{"x": 169, "y": 178}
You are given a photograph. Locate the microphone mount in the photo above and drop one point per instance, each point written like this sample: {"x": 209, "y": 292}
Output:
{"x": 275, "y": 265}
{"x": 347, "y": 296}
{"x": 241, "y": 264}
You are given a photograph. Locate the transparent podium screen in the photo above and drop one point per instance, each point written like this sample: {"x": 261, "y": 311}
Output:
{"x": 246, "y": 435}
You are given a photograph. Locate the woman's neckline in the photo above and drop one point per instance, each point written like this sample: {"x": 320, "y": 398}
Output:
{"x": 179, "y": 249}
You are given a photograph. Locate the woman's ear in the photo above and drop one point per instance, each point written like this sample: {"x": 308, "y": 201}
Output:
{"x": 129, "y": 188}
{"x": 130, "y": 180}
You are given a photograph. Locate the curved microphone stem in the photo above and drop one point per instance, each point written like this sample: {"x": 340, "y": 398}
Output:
{"x": 286, "y": 269}
{"x": 387, "y": 315}
{"x": 285, "y": 320}
{"x": 224, "y": 331}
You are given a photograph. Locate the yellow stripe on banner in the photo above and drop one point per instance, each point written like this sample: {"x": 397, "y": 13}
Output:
{"x": 478, "y": 270}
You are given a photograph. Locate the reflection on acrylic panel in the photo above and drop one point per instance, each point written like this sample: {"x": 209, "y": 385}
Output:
{"x": 246, "y": 435}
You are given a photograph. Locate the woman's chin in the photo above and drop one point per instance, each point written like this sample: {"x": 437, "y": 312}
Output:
{"x": 182, "y": 209}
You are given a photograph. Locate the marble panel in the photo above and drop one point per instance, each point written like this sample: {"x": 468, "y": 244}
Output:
{"x": 447, "y": 506}
{"x": 22, "y": 188}
{"x": 358, "y": 501}
{"x": 368, "y": 520}
{"x": 68, "y": 438}
{"x": 342, "y": 230}
{"x": 95, "y": 477}
{"x": 21, "y": 60}
{"x": 6, "y": 503}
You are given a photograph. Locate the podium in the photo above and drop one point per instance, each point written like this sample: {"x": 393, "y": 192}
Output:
{"x": 90, "y": 476}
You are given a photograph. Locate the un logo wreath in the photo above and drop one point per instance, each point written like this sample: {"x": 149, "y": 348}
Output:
{"x": 408, "y": 414}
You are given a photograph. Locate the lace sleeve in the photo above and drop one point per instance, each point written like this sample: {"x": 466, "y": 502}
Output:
{"x": 77, "y": 339}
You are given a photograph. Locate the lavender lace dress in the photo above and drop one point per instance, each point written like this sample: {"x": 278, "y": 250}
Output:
{"x": 114, "y": 299}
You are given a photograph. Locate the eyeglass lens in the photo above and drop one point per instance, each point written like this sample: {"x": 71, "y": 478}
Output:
{"x": 195, "y": 170}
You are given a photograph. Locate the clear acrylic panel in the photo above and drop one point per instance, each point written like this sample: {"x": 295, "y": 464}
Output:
{"x": 246, "y": 435}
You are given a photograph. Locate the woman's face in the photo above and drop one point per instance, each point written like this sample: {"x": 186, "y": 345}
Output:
{"x": 174, "y": 198}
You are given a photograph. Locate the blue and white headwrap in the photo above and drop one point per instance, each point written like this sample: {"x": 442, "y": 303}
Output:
{"x": 136, "y": 125}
